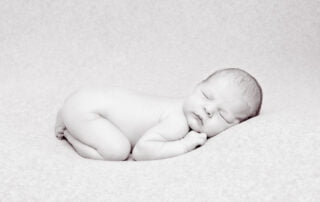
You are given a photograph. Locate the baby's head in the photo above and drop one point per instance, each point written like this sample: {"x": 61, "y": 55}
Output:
{"x": 225, "y": 98}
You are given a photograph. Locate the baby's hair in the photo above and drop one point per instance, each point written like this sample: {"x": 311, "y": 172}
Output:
{"x": 249, "y": 86}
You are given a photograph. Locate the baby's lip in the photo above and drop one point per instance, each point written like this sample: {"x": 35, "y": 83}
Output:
{"x": 199, "y": 117}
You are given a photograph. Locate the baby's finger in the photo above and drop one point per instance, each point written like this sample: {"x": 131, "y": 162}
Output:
{"x": 204, "y": 135}
{"x": 203, "y": 138}
{"x": 200, "y": 141}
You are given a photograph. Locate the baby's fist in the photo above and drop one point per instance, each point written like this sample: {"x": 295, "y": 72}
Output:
{"x": 194, "y": 139}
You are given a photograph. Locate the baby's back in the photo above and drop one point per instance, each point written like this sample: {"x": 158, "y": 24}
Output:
{"x": 131, "y": 111}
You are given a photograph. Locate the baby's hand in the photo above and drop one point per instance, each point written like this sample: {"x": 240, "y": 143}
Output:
{"x": 194, "y": 139}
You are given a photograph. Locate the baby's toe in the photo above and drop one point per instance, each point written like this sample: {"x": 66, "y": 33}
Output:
{"x": 60, "y": 132}
{"x": 60, "y": 136}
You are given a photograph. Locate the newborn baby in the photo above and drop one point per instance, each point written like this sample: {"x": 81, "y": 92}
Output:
{"x": 109, "y": 123}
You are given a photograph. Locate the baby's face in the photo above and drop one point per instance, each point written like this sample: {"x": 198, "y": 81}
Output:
{"x": 214, "y": 106}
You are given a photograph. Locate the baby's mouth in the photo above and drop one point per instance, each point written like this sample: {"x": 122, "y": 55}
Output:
{"x": 198, "y": 117}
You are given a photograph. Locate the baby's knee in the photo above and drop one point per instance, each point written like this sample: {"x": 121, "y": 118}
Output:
{"x": 119, "y": 151}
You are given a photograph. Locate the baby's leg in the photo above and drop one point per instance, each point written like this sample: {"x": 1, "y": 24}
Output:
{"x": 97, "y": 132}
{"x": 82, "y": 149}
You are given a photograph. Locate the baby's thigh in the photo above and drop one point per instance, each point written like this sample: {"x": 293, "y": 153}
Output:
{"x": 80, "y": 114}
{"x": 99, "y": 133}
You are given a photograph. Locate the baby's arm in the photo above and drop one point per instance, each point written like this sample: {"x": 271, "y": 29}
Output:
{"x": 167, "y": 139}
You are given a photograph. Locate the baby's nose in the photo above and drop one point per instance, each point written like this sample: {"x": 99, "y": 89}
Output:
{"x": 209, "y": 111}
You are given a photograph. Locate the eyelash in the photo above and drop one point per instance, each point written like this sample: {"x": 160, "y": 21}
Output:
{"x": 205, "y": 95}
{"x": 224, "y": 119}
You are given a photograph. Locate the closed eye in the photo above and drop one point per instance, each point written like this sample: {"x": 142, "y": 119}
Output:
{"x": 224, "y": 118}
{"x": 204, "y": 95}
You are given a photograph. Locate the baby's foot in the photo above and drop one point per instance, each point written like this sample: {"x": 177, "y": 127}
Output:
{"x": 60, "y": 132}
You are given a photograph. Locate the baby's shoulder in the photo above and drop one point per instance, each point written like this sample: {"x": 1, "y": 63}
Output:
{"x": 174, "y": 119}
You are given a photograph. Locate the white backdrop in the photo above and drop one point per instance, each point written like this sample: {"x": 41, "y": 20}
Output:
{"x": 48, "y": 48}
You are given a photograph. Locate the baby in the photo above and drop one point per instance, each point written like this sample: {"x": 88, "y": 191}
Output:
{"x": 109, "y": 123}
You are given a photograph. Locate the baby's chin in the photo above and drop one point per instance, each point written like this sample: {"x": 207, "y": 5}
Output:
{"x": 194, "y": 127}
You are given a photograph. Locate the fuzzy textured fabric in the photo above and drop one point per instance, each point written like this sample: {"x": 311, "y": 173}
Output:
{"x": 50, "y": 48}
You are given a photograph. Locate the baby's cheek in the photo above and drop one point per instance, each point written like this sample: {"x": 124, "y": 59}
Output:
{"x": 216, "y": 128}
{"x": 227, "y": 126}
{"x": 211, "y": 132}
